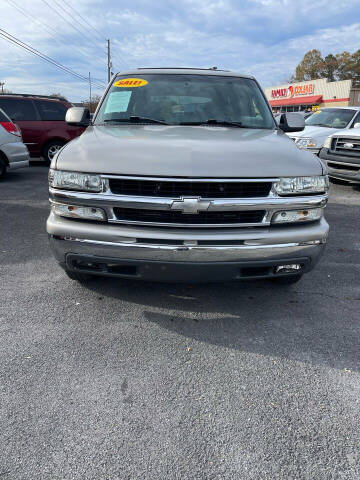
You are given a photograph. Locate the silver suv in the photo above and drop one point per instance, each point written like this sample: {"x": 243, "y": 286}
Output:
{"x": 184, "y": 175}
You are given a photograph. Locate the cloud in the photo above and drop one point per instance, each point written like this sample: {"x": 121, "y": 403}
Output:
{"x": 266, "y": 38}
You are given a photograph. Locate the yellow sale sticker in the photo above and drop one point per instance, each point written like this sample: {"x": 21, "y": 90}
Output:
{"x": 130, "y": 82}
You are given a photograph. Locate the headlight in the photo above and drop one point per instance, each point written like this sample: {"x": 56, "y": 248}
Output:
{"x": 290, "y": 216}
{"x": 305, "y": 142}
{"x": 327, "y": 143}
{"x": 86, "y": 182}
{"x": 301, "y": 185}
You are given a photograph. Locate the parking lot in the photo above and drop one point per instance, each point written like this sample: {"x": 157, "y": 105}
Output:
{"x": 126, "y": 380}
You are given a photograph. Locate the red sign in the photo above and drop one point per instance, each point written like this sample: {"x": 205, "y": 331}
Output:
{"x": 279, "y": 93}
{"x": 293, "y": 91}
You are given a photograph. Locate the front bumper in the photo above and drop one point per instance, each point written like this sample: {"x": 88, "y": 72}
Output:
{"x": 203, "y": 255}
{"x": 342, "y": 164}
{"x": 17, "y": 154}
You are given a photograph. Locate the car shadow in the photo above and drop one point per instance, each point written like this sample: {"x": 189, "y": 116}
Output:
{"x": 300, "y": 322}
{"x": 314, "y": 321}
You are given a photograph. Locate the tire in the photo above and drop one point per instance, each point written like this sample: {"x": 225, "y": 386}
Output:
{"x": 79, "y": 277}
{"x": 287, "y": 280}
{"x": 50, "y": 150}
{"x": 3, "y": 168}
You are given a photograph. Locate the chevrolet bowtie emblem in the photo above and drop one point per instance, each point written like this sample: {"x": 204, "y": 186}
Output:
{"x": 348, "y": 145}
{"x": 190, "y": 205}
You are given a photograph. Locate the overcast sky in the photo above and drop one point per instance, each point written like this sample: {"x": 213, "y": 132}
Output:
{"x": 264, "y": 38}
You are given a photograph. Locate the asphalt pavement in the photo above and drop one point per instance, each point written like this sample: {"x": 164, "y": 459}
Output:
{"x": 121, "y": 380}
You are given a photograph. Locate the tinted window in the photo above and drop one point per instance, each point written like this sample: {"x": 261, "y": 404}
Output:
{"x": 180, "y": 99}
{"x": 51, "y": 110}
{"x": 332, "y": 118}
{"x": 18, "y": 109}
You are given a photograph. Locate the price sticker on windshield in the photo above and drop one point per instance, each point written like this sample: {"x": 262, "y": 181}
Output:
{"x": 130, "y": 82}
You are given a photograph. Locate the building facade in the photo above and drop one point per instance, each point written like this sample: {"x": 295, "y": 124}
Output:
{"x": 312, "y": 94}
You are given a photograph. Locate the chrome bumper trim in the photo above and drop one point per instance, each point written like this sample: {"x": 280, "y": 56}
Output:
{"x": 65, "y": 227}
{"x": 179, "y": 247}
{"x": 167, "y": 253}
{"x": 193, "y": 247}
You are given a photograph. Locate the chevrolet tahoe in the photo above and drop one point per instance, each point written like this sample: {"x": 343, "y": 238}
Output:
{"x": 183, "y": 175}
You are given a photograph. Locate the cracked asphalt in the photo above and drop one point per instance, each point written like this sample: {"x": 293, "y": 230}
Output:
{"x": 123, "y": 380}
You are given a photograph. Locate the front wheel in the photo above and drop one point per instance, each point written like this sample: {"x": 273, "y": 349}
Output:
{"x": 79, "y": 277}
{"x": 51, "y": 149}
{"x": 287, "y": 280}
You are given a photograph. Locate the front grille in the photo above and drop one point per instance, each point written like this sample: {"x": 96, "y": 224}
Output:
{"x": 342, "y": 166}
{"x": 171, "y": 188}
{"x": 201, "y": 218}
{"x": 341, "y": 145}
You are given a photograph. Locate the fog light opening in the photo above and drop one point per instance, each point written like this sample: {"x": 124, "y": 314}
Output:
{"x": 79, "y": 212}
{"x": 290, "y": 268}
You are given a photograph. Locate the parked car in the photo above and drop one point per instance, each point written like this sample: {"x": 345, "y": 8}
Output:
{"x": 13, "y": 152}
{"x": 323, "y": 123}
{"x": 185, "y": 176}
{"x": 42, "y": 122}
{"x": 341, "y": 153}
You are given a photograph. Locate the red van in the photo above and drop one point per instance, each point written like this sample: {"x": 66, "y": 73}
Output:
{"x": 42, "y": 122}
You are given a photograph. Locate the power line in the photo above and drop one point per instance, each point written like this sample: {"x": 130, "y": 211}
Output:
{"x": 84, "y": 27}
{"x": 45, "y": 25}
{"x": 44, "y": 57}
{"x": 10, "y": 38}
{"x": 26, "y": 14}
{"x": 52, "y": 8}
{"x": 84, "y": 20}
{"x": 100, "y": 36}
{"x": 80, "y": 25}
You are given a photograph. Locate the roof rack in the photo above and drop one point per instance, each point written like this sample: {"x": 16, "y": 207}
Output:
{"x": 182, "y": 68}
{"x": 63, "y": 99}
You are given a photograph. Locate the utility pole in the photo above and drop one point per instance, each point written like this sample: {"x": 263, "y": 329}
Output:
{"x": 108, "y": 60}
{"x": 89, "y": 92}
{"x": 2, "y": 86}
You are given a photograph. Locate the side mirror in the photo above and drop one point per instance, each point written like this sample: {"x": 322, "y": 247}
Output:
{"x": 78, "y": 116}
{"x": 291, "y": 122}
{"x": 357, "y": 125}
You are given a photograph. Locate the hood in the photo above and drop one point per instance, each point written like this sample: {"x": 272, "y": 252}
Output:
{"x": 349, "y": 132}
{"x": 319, "y": 134}
{"x": 186, "y": 151}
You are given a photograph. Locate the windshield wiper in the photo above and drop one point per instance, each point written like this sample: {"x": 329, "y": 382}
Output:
{"x": 135, "y": 119}
{"x": 213, "y": 121}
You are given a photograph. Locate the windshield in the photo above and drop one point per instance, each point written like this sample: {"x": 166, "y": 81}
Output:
{"x": 332, "y": 118}
{"x": 185, "y": 99}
